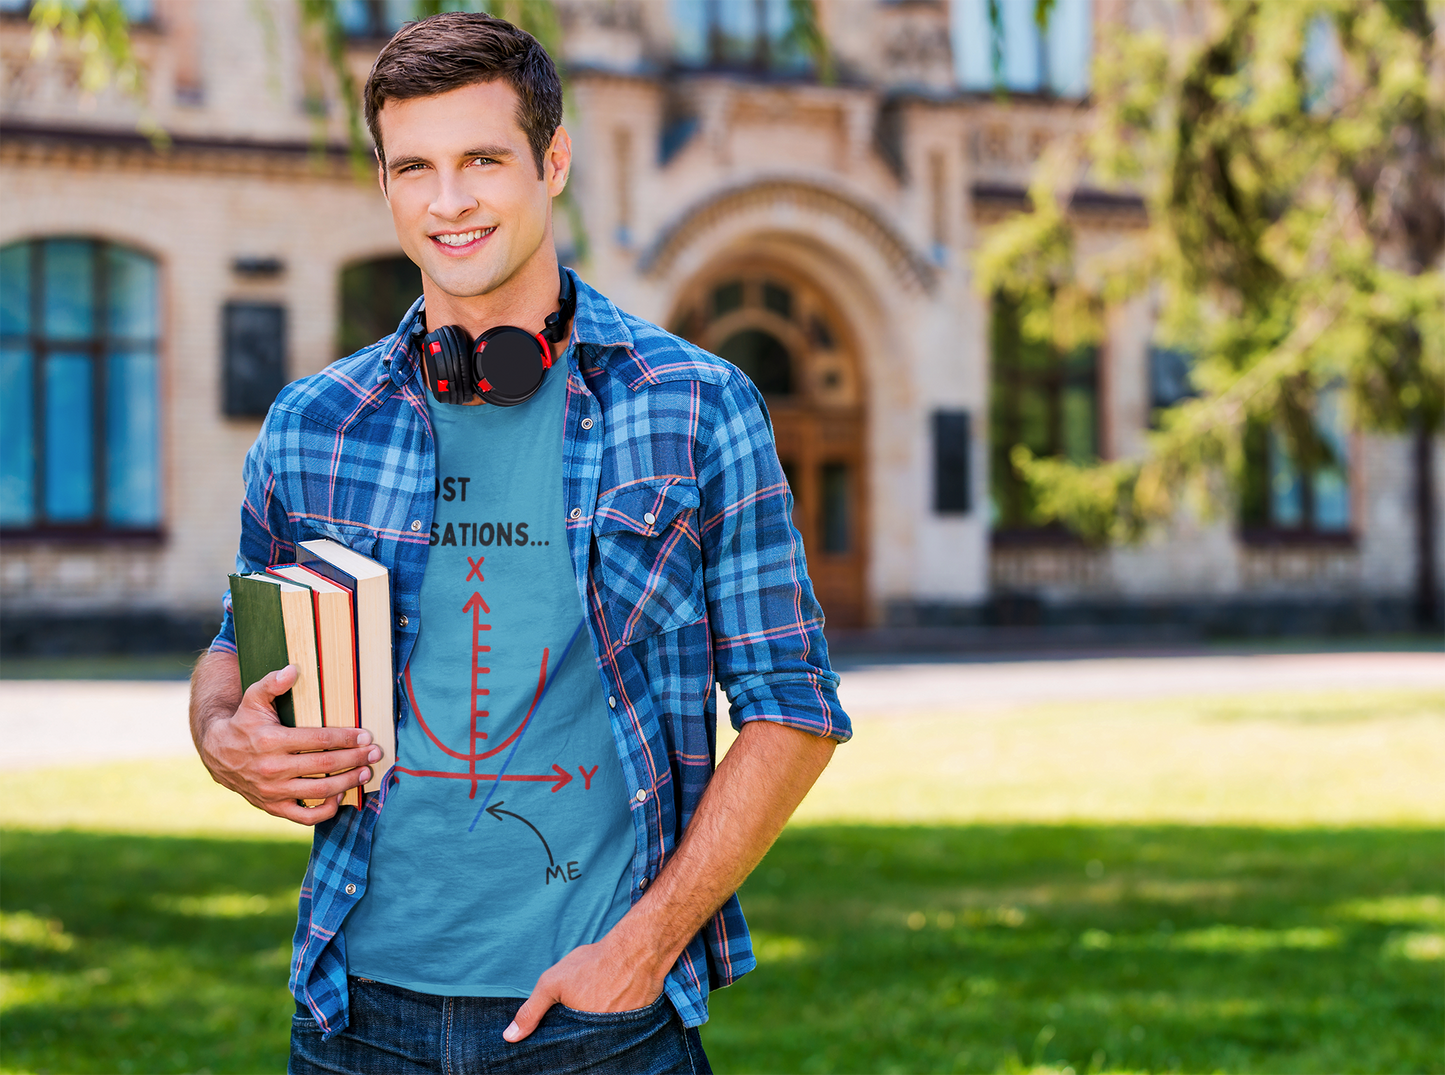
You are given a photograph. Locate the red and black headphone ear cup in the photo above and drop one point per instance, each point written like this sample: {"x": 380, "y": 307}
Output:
{"x": 447, "y": 353}
{"x": 509, "y": 364}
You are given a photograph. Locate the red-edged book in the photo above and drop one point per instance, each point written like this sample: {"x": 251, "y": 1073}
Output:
{"x": 368, "y": 582}
{"x": 335, "y": 650}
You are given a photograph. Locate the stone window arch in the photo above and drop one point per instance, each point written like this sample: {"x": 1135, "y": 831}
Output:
{"x": 778, "y": 328}
{"x": 79, "y": 387}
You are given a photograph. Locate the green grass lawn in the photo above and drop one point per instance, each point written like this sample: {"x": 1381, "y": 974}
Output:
{"x": 1053, "y": 888}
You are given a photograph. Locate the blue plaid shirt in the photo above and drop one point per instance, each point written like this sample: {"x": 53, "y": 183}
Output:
{"x": 686, "y": 559}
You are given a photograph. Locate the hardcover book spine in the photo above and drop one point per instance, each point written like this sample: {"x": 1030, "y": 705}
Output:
{"x": 261, "y": 637}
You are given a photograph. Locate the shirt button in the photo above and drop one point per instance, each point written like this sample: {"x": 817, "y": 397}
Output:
{"x": 612, "y": 700}
{"x": 649, "y": 518}
{"x": 641, "y": 795}
{"x": 415, "y": 525}
{"x": 402, "y": 621}
{"x": 642, "y": 883}
{"x": 351, "y": 890}
{"x": 576, "y": 513}
{"x": 587, "y": 423}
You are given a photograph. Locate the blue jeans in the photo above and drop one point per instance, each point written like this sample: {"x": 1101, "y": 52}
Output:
{"x": 394, "y": 1031}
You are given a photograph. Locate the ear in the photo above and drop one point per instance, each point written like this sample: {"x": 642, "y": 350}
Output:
{"x": 558, "y": 163}
{"x": 381, "y": 175}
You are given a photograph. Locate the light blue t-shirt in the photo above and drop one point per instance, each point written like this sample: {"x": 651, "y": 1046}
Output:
{"x": 461, "y": 900}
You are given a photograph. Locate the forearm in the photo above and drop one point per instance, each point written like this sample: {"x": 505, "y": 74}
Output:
{"x": 215, "y": 692}
{"x": 759, "y": 783}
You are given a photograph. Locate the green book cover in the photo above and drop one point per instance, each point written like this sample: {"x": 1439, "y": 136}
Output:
{"x": 261, "y": 635}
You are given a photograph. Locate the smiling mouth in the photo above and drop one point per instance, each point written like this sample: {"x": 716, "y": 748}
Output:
{"x": 462, "y": 238}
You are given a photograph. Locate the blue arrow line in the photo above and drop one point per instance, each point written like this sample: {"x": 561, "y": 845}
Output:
{"x": 556, "y": 670}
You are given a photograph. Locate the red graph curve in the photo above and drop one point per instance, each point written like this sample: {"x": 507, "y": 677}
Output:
{"x": 473, "y": 758}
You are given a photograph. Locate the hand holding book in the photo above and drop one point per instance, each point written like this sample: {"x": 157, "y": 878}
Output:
{"x": 271, "y": 765}
{"x": 327, "y": 618}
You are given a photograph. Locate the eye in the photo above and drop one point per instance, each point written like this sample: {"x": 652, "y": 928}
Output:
{"x": 483, "y": 160}
{"x": 409, "y": 168}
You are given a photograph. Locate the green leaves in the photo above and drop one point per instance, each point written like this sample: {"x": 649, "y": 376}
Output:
{"x": 100, "y": 32}
{"x": 1292, "y": 157}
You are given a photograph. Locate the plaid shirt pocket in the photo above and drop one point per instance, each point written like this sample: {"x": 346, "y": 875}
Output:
{"x": 650, "y": 557}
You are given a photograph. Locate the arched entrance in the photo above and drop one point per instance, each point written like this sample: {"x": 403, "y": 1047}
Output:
{"x": 790, "y": 338}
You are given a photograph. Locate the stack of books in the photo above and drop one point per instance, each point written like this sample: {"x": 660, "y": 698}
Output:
{"x": 329, "y": 614}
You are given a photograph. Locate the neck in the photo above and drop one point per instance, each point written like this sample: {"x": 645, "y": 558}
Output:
{"x": 523, "y": 300}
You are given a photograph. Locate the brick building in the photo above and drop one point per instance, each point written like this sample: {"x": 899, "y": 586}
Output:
{"x": 817, "y": 234}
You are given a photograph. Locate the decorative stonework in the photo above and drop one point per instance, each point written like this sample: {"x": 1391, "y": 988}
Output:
{"x": 917, "y": 50}
{"x": 992, "y": 202}
{"x": 84, "y": 149}
{"x": 1299, "y": 567}
{"x": 37, "y": 577}
{"x": 907, "y": 264}
{"x": 1067, "y": 569}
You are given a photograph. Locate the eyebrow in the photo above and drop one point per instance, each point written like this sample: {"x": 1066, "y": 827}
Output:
{"x": 489, "y": 151}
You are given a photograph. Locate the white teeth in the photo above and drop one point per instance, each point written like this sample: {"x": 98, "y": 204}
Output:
{"x": 463, "y": 238}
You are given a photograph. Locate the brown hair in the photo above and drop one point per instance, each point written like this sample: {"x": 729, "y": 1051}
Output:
{"x": 459, "y": 48}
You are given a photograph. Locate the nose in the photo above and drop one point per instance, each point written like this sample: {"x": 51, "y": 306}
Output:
{"x": 453, "y": 200}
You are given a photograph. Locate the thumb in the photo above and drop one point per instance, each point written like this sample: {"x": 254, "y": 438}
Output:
{"x": 264, "y": 692}
{"x": 529, "y": 1014}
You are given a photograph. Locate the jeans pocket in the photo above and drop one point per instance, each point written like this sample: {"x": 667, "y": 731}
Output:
{"x": 304, "y": 1024}
{"x": 632, "y": 1015}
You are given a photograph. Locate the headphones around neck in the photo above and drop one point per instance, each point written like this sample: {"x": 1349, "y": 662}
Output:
{"x": 504, "y": 365}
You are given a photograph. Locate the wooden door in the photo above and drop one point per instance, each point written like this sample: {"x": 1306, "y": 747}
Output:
{"x": 822, "y": 455}
{"x": 790, "y": 339}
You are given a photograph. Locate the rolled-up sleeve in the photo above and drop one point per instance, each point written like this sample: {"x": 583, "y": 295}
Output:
{"x": 771, "y": 656}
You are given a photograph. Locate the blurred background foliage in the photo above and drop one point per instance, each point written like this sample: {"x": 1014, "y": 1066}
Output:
{"x": 1292, "y": 159}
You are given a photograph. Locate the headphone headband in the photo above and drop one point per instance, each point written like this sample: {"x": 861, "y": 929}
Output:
{"x": 562, "y": 317}
{"x": 505, "y": 365}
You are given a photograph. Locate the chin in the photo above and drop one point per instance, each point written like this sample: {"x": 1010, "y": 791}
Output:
{"x": 466, "y": 285}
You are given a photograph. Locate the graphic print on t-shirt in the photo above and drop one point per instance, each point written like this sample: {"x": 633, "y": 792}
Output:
{"x": 507, "y": 840}
{"x": 497, "y": 757}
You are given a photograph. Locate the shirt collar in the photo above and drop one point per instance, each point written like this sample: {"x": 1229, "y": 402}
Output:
{"x": 400, "y": 358}
{"x": 597, "y": 322}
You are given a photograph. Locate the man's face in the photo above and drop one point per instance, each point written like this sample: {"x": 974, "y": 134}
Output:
{"x": 468, "y": 205}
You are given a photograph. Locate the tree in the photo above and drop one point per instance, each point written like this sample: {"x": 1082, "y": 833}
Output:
{"x": 1292, "y": 160}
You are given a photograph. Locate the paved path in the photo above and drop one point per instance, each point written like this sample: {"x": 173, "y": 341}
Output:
{"x": 60, "y": 722}
{"x": 913, "y": 687}
{"x": 44, "y": 722}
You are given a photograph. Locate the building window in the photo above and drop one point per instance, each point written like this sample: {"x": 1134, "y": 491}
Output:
{"x": 79, "y": 394}
{"x": 1171, "y": 378}
{"x": 375, "y": 296}
{"x": 1043, "y": 399}
{"x": 762, "y": 356}
{"x": 1286, "y": 498}
{"x": 253, "y": 359}
{"x": 952, "y": 489}
{"x": 744, "y": 321}
{"x": 1029, "y": 59}
{"x": 758, "y": 35}
{"x": 382, "y": 18}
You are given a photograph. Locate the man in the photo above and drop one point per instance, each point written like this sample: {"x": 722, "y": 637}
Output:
{"x": 570, "y": 575}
